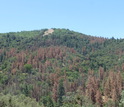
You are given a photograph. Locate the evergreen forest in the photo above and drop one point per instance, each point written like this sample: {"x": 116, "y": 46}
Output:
{"x": 60, "y": 68}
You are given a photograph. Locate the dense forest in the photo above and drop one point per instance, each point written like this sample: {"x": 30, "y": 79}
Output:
{"x": 60, "y": 68}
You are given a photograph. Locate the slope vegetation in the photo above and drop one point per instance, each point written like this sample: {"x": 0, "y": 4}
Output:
{"x": 62, "y": 68}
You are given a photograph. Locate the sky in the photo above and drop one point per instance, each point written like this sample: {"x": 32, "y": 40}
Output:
{"x": 102, "y": 18}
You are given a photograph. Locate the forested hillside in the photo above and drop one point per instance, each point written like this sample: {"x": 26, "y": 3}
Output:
{"x": 60, "y": 68}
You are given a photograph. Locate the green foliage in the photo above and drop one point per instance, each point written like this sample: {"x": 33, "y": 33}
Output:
{"x": 121, "y": 104}
{"x": 28, "y": 68}
{"x": 76, "y": 100}
{"x": 17, "y": 101}
{"x": 3, "y": 78}
{"x": 26, "y": 89}
{"x": 47, "y": 101}
{"x": 61, "y": 92}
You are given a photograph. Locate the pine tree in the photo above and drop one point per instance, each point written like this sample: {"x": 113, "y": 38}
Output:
{"x": 61, "y": 92}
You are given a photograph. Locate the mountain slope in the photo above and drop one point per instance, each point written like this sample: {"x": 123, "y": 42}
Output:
{"x": 59, "y": 67}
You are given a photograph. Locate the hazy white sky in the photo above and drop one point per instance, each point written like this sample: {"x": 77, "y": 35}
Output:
{"x": 93, "y": 17}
